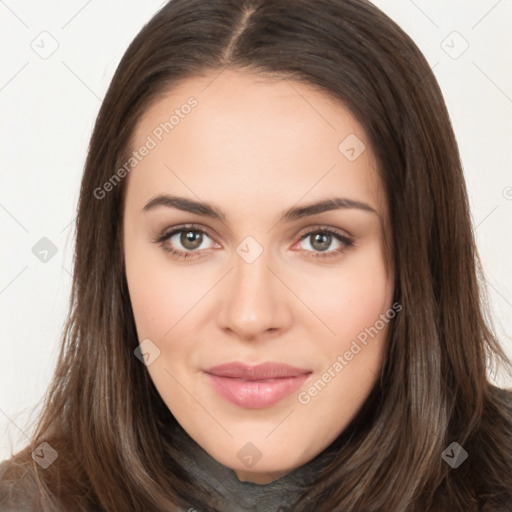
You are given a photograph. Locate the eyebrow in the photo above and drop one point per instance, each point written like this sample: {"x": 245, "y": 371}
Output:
{"x": 292, "y": 214}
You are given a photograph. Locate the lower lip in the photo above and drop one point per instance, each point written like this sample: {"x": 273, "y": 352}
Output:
{"x": 256, "y": 394}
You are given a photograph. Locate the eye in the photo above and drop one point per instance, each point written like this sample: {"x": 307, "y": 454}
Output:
{"x": 322, "y": 238}
{"x": 190, "y": 238}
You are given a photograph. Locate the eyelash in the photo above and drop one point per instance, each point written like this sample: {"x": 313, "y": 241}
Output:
{"x": 166, "y": 235}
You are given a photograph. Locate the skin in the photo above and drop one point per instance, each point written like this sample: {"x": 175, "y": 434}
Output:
{"x": 256, "y": 147}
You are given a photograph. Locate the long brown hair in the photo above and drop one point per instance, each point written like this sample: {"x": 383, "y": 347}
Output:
{"x": 102, "y": 413}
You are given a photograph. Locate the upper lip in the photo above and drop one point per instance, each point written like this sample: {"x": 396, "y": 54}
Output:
{"x": 239, "y": 370}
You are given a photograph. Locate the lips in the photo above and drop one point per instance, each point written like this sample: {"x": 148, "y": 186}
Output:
{"x": 257, "y": 386}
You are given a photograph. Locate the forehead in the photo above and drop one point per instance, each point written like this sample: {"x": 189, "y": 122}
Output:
{"x": 265, "y": 138}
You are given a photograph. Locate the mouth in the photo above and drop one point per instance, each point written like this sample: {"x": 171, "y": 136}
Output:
{"x": 256, "y": 387}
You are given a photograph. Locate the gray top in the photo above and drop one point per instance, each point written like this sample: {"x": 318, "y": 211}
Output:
{"x": 229, "y": 494}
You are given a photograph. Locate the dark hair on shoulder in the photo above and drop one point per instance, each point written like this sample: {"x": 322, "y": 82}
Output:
{"x": 110, "y": 431}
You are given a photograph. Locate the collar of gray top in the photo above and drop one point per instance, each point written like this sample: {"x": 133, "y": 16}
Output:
{"x": 229, "y": 494}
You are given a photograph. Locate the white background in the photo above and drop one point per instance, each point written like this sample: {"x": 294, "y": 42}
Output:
{"x": 48, "y": 107}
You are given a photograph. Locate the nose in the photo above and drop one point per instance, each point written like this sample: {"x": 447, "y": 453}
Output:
{"x": 254, "y": 301}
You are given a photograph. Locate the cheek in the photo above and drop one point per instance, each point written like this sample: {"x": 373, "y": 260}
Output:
{"x": 161, "y": 292}
{"x": 352, "y": 298}
{"x": 154, "y": 291}
{"x": 161, "y": 297}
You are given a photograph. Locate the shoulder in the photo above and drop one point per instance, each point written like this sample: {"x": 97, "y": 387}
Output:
{"x": 497, "y": 417}
{"x": 18, "y": 489}
{"x": 502, "y": 395}
{"x": 26, "y": 486}
{"x": 491, "y": 451}
{"x": 482, "y": 481}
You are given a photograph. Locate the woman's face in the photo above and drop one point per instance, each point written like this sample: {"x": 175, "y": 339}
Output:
{"x": 259, "y": 279}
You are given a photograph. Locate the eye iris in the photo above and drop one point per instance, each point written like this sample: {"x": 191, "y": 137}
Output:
{"x": 191, "y": 236}
{"x": 324, "y": 239}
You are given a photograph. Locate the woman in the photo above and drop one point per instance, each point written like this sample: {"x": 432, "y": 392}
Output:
{"x": 327, "y": 349}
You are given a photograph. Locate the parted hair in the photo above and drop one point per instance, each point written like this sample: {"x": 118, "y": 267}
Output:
{"x": 102, "y": 413}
